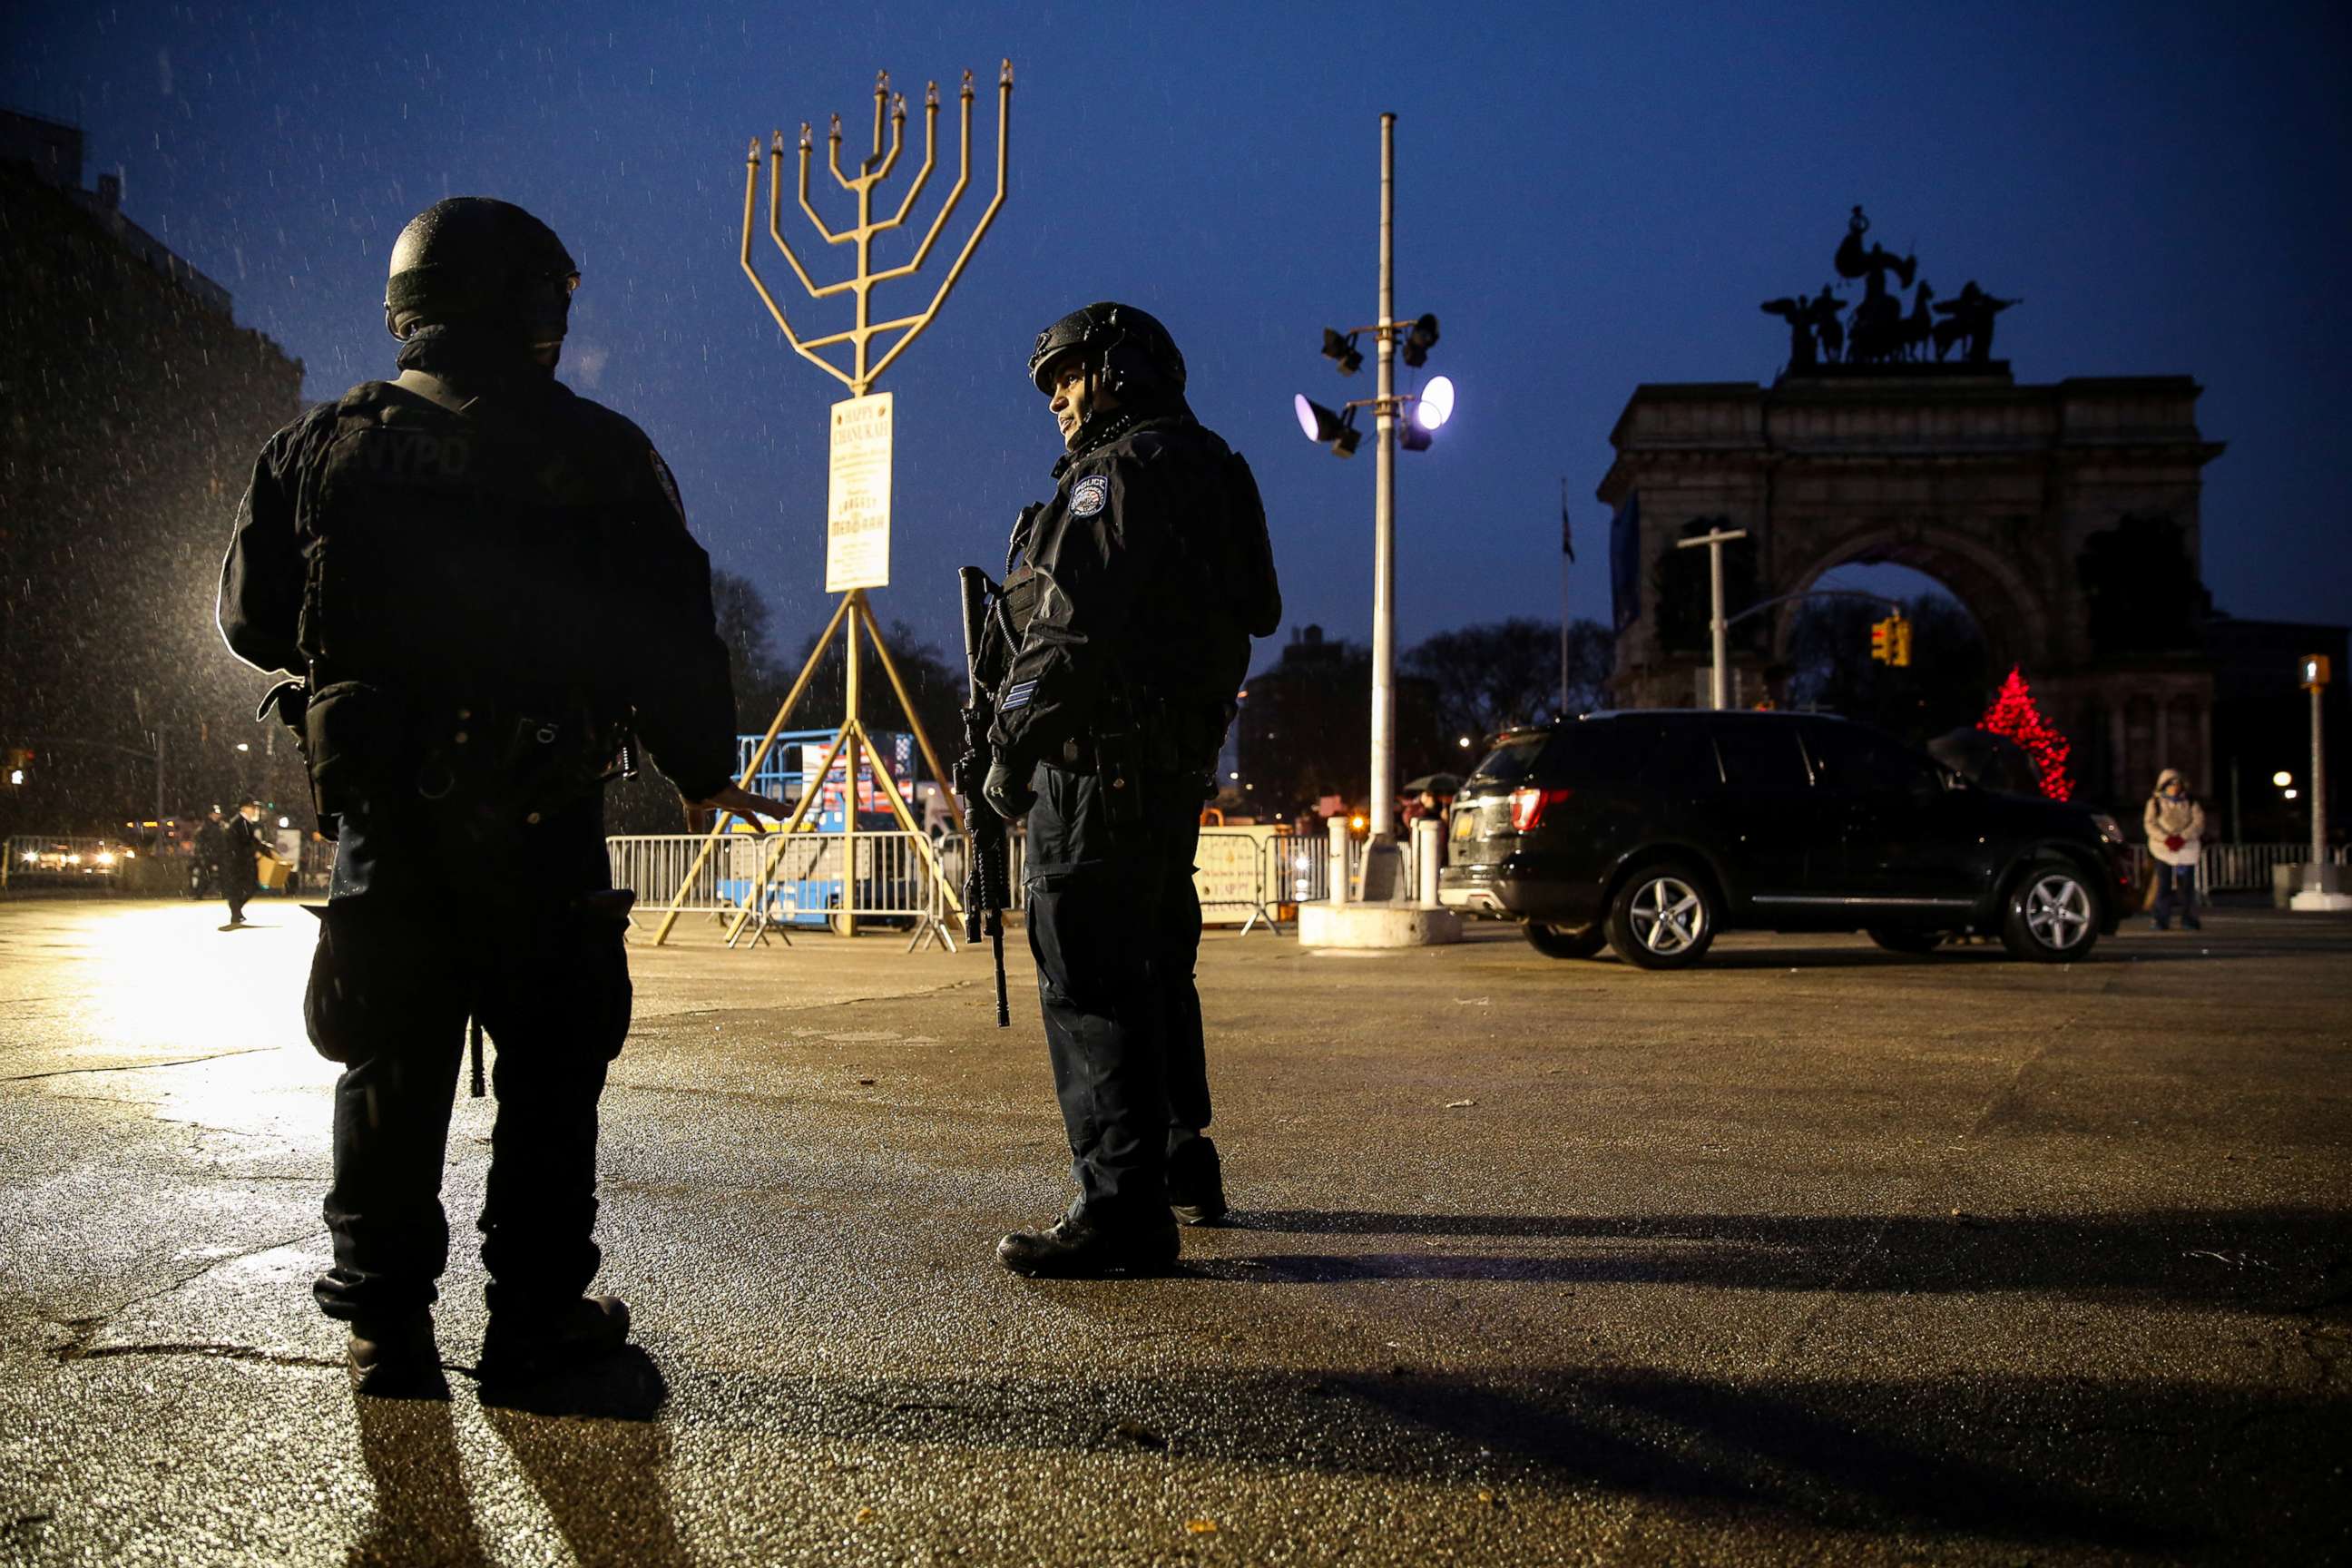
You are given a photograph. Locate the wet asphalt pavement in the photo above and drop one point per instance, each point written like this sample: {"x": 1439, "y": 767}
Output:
{"x": 1811, "y": 1255}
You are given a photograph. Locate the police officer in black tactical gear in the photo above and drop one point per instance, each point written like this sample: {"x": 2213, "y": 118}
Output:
{"x": 487, "y": 589}
{"x": 1129, "y": 602}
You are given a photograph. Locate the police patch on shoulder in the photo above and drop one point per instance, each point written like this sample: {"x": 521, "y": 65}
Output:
{"x": 1089, "y": 495}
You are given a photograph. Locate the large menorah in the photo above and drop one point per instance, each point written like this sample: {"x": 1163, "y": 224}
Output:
{"x": 852, "y": 611}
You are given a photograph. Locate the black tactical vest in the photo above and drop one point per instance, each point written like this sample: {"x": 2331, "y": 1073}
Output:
{"x": 473, "y": 553}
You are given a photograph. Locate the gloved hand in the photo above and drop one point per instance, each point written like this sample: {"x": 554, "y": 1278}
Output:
{"x": 1006, "y": 790}
{"x": 2175, "y": 842}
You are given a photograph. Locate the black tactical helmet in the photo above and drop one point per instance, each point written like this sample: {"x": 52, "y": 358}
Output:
{"x": 476, "y": 259}
{"x": 1129, "y": 351}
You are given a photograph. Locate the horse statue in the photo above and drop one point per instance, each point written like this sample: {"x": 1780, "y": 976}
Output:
{"x": 1876, "y": 329}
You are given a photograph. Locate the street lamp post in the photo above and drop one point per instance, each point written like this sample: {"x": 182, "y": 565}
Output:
{"x": 1393, "y": 427}
{"x": 1714, "y": 543}
{"x": 2314, "y": 672}
{"x": 2323, "y": 882}
{"x": 1383, "y": 804}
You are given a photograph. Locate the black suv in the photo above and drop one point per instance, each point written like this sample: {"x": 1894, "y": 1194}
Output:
{"x": 1653, "y": 830}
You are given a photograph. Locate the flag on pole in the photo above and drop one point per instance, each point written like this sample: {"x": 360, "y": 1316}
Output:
{"x": 1566, "y": 534}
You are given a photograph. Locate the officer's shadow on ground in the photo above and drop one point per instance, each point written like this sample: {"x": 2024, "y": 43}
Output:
{"x": 423, "y": 1511}
{"x": 2277, "y": 1261}
{"x": 589, "y": 1442}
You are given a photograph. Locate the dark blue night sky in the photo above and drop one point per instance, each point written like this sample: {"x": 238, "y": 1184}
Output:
{"x": 1590, "y": 197}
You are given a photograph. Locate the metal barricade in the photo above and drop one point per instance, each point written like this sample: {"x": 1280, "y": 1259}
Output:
{"x": 1298, "y": 868}
{"x": 797, "y": 883}
{"x": 2223, "y": 867}
{"x": 1230, "y": 875}
{"x": 64, "y": 859}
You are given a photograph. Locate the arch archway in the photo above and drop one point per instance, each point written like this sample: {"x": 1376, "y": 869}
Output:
{"x": 1998, "y": 490}
{"x": 2012, "y": 616}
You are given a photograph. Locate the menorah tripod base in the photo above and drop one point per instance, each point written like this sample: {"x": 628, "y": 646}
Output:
{"x": 931, "y": 919}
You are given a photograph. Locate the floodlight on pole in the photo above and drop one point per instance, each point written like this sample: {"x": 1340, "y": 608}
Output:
{"x": 1434, "y": 406}
{"x": 1419, "y": 339}
{"x": 1342, "y": 351}
{"x": 1326, "y": 428}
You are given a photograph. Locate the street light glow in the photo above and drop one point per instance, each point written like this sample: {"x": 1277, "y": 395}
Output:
{"x": 2292, "y": 793}
{"x": 1437, "y": 404}
{"x": 2282, "y": 778}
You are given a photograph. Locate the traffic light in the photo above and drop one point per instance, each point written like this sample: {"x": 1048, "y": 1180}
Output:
{"x": 18, "y": 759}
{"x": 1890, "y": 641}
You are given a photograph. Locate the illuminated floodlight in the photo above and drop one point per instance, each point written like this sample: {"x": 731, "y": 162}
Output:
{"x": 1337, "y": 431}
{"x": 1435, "y": 404}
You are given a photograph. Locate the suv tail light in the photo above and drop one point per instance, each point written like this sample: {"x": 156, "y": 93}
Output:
{"x": 1529, "y": 803}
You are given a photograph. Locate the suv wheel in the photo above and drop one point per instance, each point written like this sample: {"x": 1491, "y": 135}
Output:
{"x": 1915, "y": 943}
{"x": 2053, "y": 916}
{"x": 1662, "y": 918}
{"x": 1559, "y": 942}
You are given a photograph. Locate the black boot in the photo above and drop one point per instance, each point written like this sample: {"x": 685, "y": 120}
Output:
{"x": 395, "y": 1358}
{"x": 1076, "y": 1247}
{"x": 1196, "y": 1183}
{"x": 521, "y": 1346}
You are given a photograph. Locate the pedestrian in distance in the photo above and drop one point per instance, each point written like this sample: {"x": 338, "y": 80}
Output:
{"x": 210, "y": 846}
{"x": 489, "y": 590}
{"x": 242, "y": 852}
{"x": 2176, "y": 833}
{"x": 1121, "y": 642}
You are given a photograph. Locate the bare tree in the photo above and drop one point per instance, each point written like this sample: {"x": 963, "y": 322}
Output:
{"x": 1494, "y": 677}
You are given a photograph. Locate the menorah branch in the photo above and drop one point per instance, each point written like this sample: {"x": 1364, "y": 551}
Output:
{"x": 873, "y": 171}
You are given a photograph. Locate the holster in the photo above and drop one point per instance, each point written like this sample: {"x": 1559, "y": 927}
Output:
{"x": 351, "y": 737}
{"x": 361, "y": 743}
{"x": 1121, "y": 759}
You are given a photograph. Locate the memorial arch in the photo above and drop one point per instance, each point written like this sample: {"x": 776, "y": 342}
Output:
{"x": 2065, "y": 517}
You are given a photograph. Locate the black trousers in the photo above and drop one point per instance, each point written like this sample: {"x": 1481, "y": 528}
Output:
{"x": 1114, "y": 926}
{"x": 404, "y": 958}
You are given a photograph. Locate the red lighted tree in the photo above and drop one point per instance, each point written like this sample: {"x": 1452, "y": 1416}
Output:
{"x": 2013, "y": 715}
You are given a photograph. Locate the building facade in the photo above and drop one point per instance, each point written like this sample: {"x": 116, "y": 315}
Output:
{"x": 134, "y": 407}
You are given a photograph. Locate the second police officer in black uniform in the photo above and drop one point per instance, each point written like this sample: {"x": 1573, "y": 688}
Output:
{"x": 1130, "y": 600}
{"x": 484, "y": 581}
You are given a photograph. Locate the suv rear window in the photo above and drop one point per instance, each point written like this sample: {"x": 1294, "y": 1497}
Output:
{"x": 1513, "y": 759}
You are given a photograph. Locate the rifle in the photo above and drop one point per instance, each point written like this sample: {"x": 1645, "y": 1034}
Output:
{"x": 986, "y": 889}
